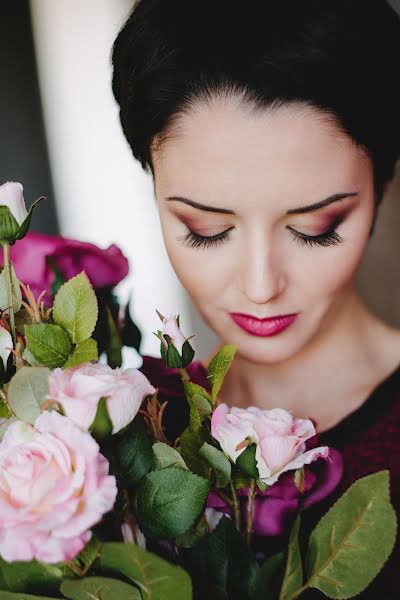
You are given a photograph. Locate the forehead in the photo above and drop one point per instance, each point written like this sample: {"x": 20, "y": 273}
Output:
{"x": 224, "y": 151}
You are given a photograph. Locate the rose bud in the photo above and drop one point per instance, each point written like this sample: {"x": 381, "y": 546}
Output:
{"x": 78, "y": 392}
{"x": 271, "y": 441}
{"x": 175, "y": 348}
{"x": 14, "y": 218}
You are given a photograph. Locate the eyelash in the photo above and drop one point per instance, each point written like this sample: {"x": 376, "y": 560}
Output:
{"x": 328, "y": 238}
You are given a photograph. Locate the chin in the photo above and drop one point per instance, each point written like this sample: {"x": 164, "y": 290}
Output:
{"x": 267, "y": 354}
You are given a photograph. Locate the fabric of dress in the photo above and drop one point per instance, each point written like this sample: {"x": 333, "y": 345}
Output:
{"x": 368, "y": 439}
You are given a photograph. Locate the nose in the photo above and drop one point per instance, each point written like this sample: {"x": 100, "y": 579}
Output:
{"x": 262, "y": 270}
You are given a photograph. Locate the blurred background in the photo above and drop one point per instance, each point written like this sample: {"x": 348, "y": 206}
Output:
{"x": 61, "y": 138}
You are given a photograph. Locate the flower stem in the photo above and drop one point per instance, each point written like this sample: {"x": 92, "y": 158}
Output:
{"x": 7, "y": 268}
{"x": 184, "y": 374}
{"x": 250, "y": 511}
{"x": 236, "y": 507}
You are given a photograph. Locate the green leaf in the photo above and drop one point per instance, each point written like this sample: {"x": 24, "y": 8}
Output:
{"x": 23, "y": 596}
{"x": 218, "y": 368}
{"x": 222, "y": 559}
{"x": 169, "y": 501}
{"x": 200, "y": 409}
{"x": 246, "y": 462}
{"x": 194, "y": 534}
{"x": 165, "y": 456}
{"x": 99, "y": 588}
{"x": 27, "y": 391}
{"x": 9, "y": 227}
{"x": 134, "y": 452}
{"x": 190, "y": 444}
{"x": 351, "y": 543}
{"x": 75, "y": 308}
{"x": 16, "y": 291}
{"x": 267, "y": 582}
{"x": 194, "y": 388}
{"x": 86, "y": 351}
{"x": 30, "y": 576}
{"x": 88, "y": 555}
{"x": 293, "y": 578}
{"x": 218, "y": 462}
{"x": 156, "y": 578}
{"x": 6, "y": 424}
{"x": 102, "y": 425}
{"x": 48, "y": 344}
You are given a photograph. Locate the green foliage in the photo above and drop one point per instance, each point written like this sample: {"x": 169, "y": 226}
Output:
{"x": 246, "y": 462}
{"x": 84, "y": 352}
{"x": 157, "y": 579}
{"x": 169, "y": 501}
{"x": 218, "y": 368}
{"x": 222, "y": 559}
{"x": 194, "y": 534}
{"x": 218, "y": 462}
{"x": 165, "y": 456}
{"x": 269, "y": 577}
{"x": 33, "y": 576}
{"x": 75, "y": 308}
{"x": 102, "y": 588}
{"x": 27, "y": 392}
{"x": 192, "y": 389}
{"x": 351, "y": 543}
{"x": 16, "y": 291}
{"x": 293, "y": 578}
{"x": 134, "y": 452}
{"x": 49, "y": 344}
{"x": 23, "y": 596}
{"x": 190, "y": 444}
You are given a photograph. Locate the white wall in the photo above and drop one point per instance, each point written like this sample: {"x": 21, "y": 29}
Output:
{"x": 102, "y": 194}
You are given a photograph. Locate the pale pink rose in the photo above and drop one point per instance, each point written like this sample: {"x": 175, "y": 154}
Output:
{"x": 280, "y": 438}
{"x": 170, "y": 327}
{"x": 12, "y": 196}
{"x": 79, "y": 390}
{"x": 54, "y": 486}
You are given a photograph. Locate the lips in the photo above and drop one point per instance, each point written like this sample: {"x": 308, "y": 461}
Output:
{"x": 263, "y": 327}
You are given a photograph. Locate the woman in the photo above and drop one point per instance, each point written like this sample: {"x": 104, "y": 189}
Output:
{"x": 272, "y": 130}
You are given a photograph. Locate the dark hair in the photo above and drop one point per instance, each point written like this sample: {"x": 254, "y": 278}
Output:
{"x": 341, "y": 56}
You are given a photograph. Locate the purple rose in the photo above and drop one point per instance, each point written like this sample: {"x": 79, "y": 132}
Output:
{"x": 277, "y": 507}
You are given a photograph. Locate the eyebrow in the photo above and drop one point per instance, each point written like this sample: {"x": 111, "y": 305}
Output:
{"x": 292, "y": 211}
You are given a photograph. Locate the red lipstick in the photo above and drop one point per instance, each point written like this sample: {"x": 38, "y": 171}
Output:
{"x": 263, "y": 327}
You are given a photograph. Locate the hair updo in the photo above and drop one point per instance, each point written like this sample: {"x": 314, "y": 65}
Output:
{"x": 338, "y": 56}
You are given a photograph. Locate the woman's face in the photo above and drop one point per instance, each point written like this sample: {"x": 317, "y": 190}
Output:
{"x": 255, "y": 244}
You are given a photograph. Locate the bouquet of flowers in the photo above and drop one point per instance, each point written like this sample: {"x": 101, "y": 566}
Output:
{"x": 97, "y": 500}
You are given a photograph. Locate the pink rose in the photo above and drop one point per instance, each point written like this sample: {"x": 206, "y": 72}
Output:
{"x": 54, "y": 486}
{"x": 279, "y": 438}
{"x": 33, "y": 256}
{"x": 79, "y": 390}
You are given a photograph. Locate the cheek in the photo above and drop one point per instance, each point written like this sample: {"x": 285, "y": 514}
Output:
{"x": 328, "y": 272}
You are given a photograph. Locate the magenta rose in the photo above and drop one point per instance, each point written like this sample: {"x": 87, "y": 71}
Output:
{"x": 34, "y": 255}
{"x": 54, "y": 486}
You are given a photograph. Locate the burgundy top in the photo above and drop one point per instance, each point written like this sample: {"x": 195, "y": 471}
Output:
{"x": 369, "y": 440}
